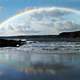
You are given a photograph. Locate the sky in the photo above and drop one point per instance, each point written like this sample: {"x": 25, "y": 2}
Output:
{"x": 9, "y": 8}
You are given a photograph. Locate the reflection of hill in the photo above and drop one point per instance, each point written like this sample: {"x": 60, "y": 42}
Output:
{"x": 64, "y": 36}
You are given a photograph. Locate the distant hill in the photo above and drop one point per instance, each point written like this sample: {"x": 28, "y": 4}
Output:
{"x": 75, "y": 34}
{"x": 64, "y": 36}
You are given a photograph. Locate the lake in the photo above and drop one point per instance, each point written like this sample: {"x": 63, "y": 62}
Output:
{"x": 41, "y": 61}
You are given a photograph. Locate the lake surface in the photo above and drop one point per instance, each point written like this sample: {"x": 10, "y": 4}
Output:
{"x": 41, "y": 61}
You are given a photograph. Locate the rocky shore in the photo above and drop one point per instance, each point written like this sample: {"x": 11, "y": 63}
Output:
{"x": 11, "y": 43}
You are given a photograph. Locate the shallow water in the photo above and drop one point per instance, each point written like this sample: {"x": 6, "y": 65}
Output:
{"x": 41, "y": 60}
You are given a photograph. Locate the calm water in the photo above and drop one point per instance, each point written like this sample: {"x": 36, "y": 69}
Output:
{"x": 41, "y": 61}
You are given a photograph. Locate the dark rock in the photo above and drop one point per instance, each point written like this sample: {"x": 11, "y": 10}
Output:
{"x": 11, "y": 43}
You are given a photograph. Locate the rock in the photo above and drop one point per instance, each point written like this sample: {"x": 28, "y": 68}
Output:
{"x": 11, "y": 43}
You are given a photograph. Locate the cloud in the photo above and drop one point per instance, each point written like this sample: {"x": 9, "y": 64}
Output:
{"x": 42, "y": 21}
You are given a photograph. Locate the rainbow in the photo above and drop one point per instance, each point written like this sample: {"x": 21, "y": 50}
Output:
{"x": 38, "y": 10}
{"x": 24, "y": 23}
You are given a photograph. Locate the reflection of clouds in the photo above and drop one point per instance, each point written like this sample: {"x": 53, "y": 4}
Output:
{"x": 2, "y": 73}
{"x": 41, "y": 55}
{"x": 42, "y": 21}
